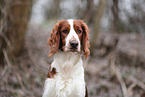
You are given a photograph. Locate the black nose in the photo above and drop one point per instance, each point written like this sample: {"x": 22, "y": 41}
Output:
{"x": 74, "y": 44}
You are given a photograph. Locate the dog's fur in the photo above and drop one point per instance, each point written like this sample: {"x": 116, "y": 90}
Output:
{"x": 68, "y": 41}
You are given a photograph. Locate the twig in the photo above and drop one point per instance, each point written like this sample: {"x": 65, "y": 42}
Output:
{"x": 130, "y": 92}
{"x": 112, "y": 60}
{"x": 112, "y": 65}
{"x": 10, "y": 66}
{"x": 2, "y": 34}
{"x": 6, "y": 39}
{"x": 123, "y": 86}
{"x": 114, "y": 70}
{"x": 4, "y": 72}
{"x": 136, "y": 81}
{"x": 6, "y": 58}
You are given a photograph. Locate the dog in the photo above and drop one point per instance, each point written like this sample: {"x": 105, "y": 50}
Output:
{"x": 68, "y": 42}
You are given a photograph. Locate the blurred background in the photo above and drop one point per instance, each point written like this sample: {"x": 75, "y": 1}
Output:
{"x": 116, "y": 65}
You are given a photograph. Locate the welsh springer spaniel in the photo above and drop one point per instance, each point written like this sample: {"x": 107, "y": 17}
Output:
{"x": 68, "y": 41}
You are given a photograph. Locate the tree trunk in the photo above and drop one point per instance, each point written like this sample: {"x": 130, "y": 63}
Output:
{"x": 115, "y": 12}
{"x": 14, "y": 19}
{"x": 97, "y": 24}
{"x": 89, "y": 11}
{"x": 1, "y": 21}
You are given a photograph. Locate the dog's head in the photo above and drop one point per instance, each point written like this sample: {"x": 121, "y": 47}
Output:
{"x": 69, "y": 36}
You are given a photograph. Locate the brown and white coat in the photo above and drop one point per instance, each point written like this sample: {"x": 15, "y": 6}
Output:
{"x": 68, "y": 41}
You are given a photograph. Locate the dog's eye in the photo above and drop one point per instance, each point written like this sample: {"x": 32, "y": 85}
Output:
{"x": 64, "y": 31}
{"x": 79, "y": 31}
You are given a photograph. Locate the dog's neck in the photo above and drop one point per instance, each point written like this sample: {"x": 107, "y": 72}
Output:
{"x": 67, "y": 63}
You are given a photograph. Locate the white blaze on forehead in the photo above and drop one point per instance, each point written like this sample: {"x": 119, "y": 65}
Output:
{"x": 72, "y": 32}
{"x": 72, "y": 35}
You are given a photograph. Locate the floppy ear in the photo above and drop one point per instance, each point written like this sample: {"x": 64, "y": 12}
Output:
{"x": 54, "y": 40}
{"x": 85, "y": 39}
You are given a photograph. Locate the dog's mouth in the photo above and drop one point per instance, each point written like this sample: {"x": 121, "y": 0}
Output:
{"x": 72, "y": 50}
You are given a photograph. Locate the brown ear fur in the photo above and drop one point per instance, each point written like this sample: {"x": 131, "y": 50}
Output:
{"x": 54, "y": 40}
{"x": 85, "y": 40}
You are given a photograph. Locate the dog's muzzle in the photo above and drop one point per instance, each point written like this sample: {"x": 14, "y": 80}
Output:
{"x": 74, "y": 44}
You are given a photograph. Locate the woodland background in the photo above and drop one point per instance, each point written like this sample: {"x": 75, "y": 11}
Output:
{"x": 116, "y": 66}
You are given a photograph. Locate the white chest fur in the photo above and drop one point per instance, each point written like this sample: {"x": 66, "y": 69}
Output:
{"x": 69, "y": 79}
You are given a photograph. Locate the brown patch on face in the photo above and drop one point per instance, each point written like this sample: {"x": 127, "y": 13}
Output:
{"x": 51, "y": 73}
{"x": 57, "y": 39}
{"x": 64, "y": 30}
{"x": 82, "y": 30}
{"x": 78, "y": 28}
